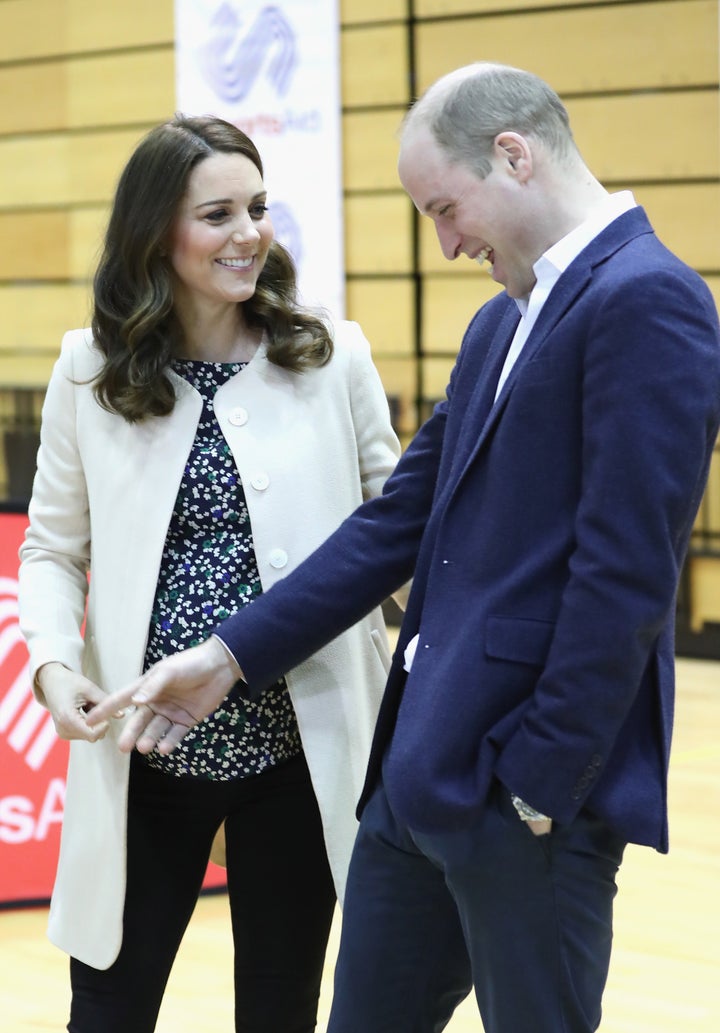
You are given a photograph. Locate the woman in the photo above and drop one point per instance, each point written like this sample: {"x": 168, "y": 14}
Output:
{"x": 203, "y": 438}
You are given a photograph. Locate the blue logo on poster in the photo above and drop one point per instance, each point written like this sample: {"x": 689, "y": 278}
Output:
{"x": 232, "y": 62}
{"x": 287, "y": 229}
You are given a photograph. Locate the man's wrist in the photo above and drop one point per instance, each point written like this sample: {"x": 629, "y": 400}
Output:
{"x": 526, "y": 812}
{"x": 230, "y": 657}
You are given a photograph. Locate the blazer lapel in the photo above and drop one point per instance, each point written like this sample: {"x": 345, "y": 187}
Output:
{"x": 569, "y": 286}
{"x": 483, "y": 396}
{"x": 487, "y": 410}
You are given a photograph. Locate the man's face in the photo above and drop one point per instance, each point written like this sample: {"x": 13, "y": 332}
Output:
{"x": 485, "y": 219}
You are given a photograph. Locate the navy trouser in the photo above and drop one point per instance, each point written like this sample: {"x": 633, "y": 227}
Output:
{"x": 279, "y": 886}
{"x": 526, "y": 919}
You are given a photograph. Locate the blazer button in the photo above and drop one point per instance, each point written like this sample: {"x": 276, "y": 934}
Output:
{"x": 238, "y": 416}
{"x": 260, "y": 481}
{"x": 278, "y": 558}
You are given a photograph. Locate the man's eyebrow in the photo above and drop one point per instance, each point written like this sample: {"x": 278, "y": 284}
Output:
{"x": 435, "y": 202}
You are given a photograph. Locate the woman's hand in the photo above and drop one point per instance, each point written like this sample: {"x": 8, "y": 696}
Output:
{"x": 69, "y": 696}
{"x": 171, "y": 698}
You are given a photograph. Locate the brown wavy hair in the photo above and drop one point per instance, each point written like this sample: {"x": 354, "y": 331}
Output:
{"x": 134, "y": 321}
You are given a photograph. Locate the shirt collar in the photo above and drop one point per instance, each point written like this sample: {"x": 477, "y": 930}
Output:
{"x": 553, "y": 263}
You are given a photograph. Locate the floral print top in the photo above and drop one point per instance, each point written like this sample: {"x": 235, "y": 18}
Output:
{"x": 208, "y": 570}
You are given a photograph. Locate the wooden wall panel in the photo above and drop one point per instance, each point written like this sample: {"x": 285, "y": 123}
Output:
{"x": 436, "y": 377}
{"x": 30, "y": 370}
{"x": 136, "y": 87}
{"x": 584, "y": 49}
{"x": 385, "y": 308}
{"x": 370, "y": 149}
{"x": 399, "y": 377}
{"x": 43, "y": 28}
{"x": 87, "y": 230}
{"x": 439, "y": 8}
{"x": 40, "y": 246}
{"x": 713, "y": 282}
{"x": 63, "y": 168}
{"x": 649, "y": 136}
{"x": 686, "y": 218}
{"x": 448, "y": 304}
{"x": 378, "y": 232}
{"x": 40, "y": 314}
{"x": 115, "y": 89}
{"x": 52, "y": 244}
{"x": 374, "y": 66}
{"x": 38, "y": 96}
{"x": 355, "y": 12}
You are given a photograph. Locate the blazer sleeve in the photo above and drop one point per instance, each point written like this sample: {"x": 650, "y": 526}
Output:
{"x": 369, "y": 557}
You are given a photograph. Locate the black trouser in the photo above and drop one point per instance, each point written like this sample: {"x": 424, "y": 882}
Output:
{"x": 279, "y": 886}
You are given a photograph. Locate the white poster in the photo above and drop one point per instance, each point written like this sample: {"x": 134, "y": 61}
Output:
{"x": 273, "y": 70}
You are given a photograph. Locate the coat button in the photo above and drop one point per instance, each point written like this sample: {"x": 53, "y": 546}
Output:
{"x": 238, "y": 416}
{"x": 260, "y": 481}
{"x": 278, "y": 558}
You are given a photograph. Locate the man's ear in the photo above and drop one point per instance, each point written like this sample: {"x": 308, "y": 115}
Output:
{"x": 513, "y": 151}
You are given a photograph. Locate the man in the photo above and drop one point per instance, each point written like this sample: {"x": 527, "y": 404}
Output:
{"x": 543, "y": 511}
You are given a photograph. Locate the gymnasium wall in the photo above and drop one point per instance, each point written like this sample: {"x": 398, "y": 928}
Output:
{"x": 81, "y": 81}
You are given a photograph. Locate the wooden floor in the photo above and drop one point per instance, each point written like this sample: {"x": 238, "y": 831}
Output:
{"x": 665, "y": 976}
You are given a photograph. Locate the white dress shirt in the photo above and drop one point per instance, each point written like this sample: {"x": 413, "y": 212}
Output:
{"x": 552, "y": 264}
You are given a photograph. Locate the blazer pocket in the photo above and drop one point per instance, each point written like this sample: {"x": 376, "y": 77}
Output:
{"x": 524, "y": 640}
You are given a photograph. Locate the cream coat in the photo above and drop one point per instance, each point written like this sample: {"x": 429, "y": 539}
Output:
{"x": 309, "y": 448}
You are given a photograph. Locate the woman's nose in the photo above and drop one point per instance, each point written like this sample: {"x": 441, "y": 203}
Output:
{"x": 245, "y": 231}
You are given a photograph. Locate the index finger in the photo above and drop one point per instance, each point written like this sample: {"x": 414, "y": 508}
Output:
{"x": 111, "y": 705}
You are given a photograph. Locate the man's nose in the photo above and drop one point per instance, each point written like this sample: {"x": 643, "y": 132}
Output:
{"x": 450, "y": 242}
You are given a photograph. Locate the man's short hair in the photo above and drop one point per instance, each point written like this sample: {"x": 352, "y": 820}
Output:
{"x": 466, "y": 110}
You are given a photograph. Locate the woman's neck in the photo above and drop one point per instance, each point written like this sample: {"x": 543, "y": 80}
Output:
{"x": 221, "y": 338}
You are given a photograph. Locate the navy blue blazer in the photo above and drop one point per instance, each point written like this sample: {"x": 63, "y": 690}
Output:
{"x": 545, "y": 533}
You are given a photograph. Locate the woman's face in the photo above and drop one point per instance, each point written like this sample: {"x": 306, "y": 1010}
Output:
{"x": 221, "y": 233}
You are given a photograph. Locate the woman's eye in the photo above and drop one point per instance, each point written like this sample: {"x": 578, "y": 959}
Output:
{"x": 217, "y": 216}
{"x": 258, "y": 211}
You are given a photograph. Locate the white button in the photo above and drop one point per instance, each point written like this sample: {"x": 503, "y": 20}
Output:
{"x": 260, "y": 481}
{"x": 278, "y": 558}
{"x": 238, "y": 416}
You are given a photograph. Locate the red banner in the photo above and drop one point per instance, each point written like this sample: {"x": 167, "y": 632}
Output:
{"x": 32, "y": 758}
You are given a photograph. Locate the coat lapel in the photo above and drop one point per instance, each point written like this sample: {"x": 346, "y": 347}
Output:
{"x": 568, "y": 288}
